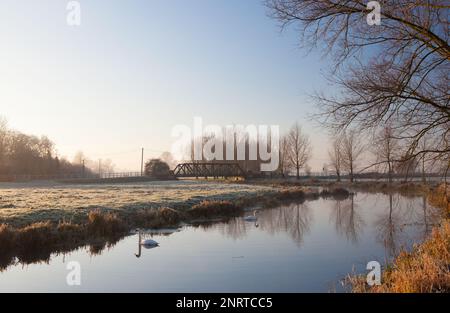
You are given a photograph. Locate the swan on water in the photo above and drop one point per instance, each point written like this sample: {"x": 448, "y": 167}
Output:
{"x": 251, "y": 218}
{"x": 146, "y": 243}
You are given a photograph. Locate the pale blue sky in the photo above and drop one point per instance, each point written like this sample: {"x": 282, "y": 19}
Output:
{"x": 135, "y": 68}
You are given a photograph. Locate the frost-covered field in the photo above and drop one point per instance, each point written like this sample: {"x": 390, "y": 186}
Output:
{"x": 22, "y": 204}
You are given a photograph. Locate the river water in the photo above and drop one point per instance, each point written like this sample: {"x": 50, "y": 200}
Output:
{"x": 308, "y": 247}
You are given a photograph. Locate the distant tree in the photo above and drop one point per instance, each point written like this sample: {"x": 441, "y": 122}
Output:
{"x": 3, "y": 143}
{"x": 351, "y": 151}
{"x": 22, "y": 154}
{"x": 335, "y": 156}
{"x": 157, "y": 168}
{"x": 284, "y": 165}
{"x": 299, "y": 151}
{"x": 168, "y": 158}
{"x": 107, "y": 166}
{"x": 308, "y": 170}
{"x": 79, "y": 158}
{"x": 386, "y": 149}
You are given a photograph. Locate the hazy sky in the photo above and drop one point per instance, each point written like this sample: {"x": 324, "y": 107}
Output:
{"x": 136, "y": 68}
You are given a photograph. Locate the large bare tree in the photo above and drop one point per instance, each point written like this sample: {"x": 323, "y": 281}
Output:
{"x": 299, "y": 148}
{"x": 394, "y": 73}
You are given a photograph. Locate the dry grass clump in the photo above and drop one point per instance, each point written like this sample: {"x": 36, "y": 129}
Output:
{"x": 162, "y": 217}
{"x": 6, "y": 237}
{"x": 441, "y": 198}
{"x": 425, "y": 269}
{"x": 35, "y": 236}
{"x": 209, "y": 209}
{"x": 104, "y": 224}
{"x": 291, "y": 194}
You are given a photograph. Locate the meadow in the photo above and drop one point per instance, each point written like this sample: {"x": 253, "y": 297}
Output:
{"x": 23, "y": 204}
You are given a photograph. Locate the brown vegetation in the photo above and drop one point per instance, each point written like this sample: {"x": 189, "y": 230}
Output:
{"x": 425, "y": 269}
{"x": 212, "y": 209}
{"x": 155, "y": 218}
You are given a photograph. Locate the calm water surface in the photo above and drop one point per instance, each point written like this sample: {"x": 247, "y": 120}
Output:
{"x": 305, "y": 247}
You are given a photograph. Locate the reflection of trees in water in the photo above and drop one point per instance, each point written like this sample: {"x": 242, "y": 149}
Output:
{"x": 400, "y": 214}
{"x": 43, "y": 255}
{"x": 389, "y": 226}
{"x": 427, "y": 217}
{"x": 348, "y": 221}
{"x": 294, "y": 219}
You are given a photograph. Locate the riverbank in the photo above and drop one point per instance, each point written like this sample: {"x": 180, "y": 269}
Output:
{"x": 100, "y": 226}
{"x": 25, "y": 204}
{"x": 404, "y": 188}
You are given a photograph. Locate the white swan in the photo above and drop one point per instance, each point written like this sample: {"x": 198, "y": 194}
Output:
{"x": 251, "y": 218}
{"x": 149, "y": 243}
{"x": 146, "y": 243}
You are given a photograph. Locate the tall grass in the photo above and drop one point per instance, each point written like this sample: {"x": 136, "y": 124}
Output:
{"x": 211, "y": 209}
{"x": 155, "y": 218}
{"x": 105, "y": 224}
{"x": 425, "y": 269}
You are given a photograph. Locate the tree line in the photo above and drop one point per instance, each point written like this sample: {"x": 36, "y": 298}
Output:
{"x": 22, "y": 154}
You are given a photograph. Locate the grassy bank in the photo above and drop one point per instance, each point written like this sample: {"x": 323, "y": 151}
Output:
{"x": 427, "y": 267}
{"x": 99, "y": 227}
{"x": 403, "y": 188}
{"x": 25, "y": 204}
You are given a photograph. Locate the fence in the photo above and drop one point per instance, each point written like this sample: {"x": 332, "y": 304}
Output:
{"x": 25, "y": 178}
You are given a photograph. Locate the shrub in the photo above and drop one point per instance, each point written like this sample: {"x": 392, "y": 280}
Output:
{"x": 157, "y": 168}
{"x": 161, "y": 217}
{"x": 208, "y": 208}
{"x": 104, "y": 224}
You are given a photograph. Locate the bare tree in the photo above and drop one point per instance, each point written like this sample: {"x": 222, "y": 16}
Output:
{"x": 335, "y": 156}
{"x": 299, "y": 148}
{"x": 284, "y": 166}
{"x": 107, "y": 166}
{"x": 386, "y": 148}
{"x": 79, "y": 158}
{"x": 168, "y": 158}
{"x": 395, "y": 72}
{"x": 3, "y": 142}
{"x": 351, "y": 150}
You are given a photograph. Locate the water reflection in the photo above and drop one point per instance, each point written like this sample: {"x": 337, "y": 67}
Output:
{"x": 294, "y": 219}
{"x": 390, "y": 225}
{"x": 400, "y": 218}
{"x": 348, "y": 221}
{"x": 392, "y": 221}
